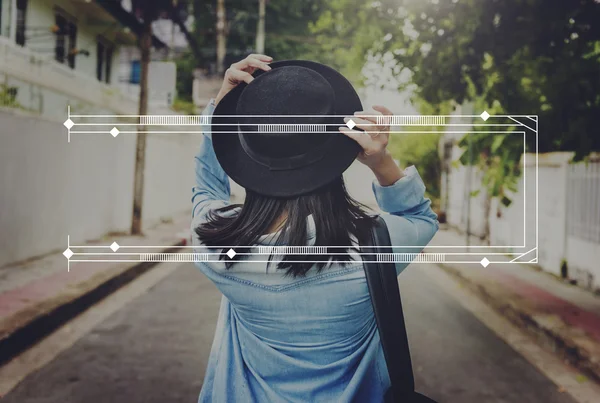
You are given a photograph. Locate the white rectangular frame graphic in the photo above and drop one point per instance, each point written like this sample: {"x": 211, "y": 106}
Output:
{"x": 404, "y": 120}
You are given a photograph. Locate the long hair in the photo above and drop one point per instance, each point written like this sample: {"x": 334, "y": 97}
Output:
{"x": 337, "y": 217}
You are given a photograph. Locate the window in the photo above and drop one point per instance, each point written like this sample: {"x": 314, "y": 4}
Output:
{"x": 72, "y": 44}
{"x": 59, "y": 48}
{"x": 66, "y": 39}
{"x": 107, "y": 70}
{"x": 104, "y": 59}
{"x": 21, "y": 20}
{"x": 100, "y": 52}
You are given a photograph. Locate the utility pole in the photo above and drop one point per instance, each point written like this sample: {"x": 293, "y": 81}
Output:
{"x": 260, "y": 28}
{"x": 140, "y": 147}
{"x": 221, "y": 36}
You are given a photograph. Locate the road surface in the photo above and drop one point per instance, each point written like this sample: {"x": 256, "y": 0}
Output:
{"x": 155, "y": 349}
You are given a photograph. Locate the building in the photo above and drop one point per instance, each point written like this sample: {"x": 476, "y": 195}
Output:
{"x": 66, "y": 52}
{"x": 77, "y": 183}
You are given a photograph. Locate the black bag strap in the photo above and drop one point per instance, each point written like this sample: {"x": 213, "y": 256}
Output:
{"x": 387, "y": 306}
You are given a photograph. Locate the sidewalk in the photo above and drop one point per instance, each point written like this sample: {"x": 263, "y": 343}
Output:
{"x": 563, "y": 317}
{"x": 38, "y": 296}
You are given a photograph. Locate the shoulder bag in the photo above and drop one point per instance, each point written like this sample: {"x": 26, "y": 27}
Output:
{"x": 387, "y": 306}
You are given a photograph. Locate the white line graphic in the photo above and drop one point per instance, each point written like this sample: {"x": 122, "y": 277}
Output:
{"x": 448, "y": 121}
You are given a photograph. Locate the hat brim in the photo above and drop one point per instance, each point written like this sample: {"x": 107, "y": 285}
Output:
{"x": 285, "y": 183}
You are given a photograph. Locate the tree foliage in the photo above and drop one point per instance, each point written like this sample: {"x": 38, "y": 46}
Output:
{"x": 288, "y": 34}
{"x": 521, "y": 57}
{"x": 539, "y": 57}
{"x": 287, "y": 31}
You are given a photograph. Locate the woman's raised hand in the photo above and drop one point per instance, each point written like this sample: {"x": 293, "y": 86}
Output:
{"x": 374, "y": 134}
{"x": 373, "y": 138}
{"x": 242, "y": 72}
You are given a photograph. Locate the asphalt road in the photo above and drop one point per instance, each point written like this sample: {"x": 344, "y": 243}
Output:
{"x": 155, "y": 349}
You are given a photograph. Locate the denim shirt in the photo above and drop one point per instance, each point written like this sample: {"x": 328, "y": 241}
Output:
{"x": 306, "y": 339}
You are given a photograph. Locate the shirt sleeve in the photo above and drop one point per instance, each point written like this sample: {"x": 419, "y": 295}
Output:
{"x": 407, "y": 213}
{"x": 212, "y": 189}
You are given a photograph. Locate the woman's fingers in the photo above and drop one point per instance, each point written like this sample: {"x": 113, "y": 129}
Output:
{"x": 385, "y": 120}
{"x": 370, "y": 116}
{"x": 250, "y": 62}
{"x": 256, "y": 61}
{"x": 259, "y": 65}
{"x": 239, "y": 76}
{"x": 380, "y": 117}
{"x": 374, "y": 139}
{"x": 263, "y": 58}
{"x": 242, "y": 72}
{"x": 364, "y": 124}
{"x": 370, "y": 124}
{"x": 383, "y": 110}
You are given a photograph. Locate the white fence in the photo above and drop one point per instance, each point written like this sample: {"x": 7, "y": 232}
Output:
{"x": 583, "y": 201}
{"x": 568, "y": 214}
{"x": 583, "y": 222}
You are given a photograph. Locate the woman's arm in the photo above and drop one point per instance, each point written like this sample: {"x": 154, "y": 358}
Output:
{"x": 411, "y": 221}
{"x": 212, "y": 188}
{"x": 386, "y": 171}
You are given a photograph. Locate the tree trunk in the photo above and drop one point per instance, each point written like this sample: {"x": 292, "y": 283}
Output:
{"x": 221, "y": 36}
{"x": 487, "y": 211}
{"x": 260, "y": 28}
{"x": 140, "y": 149}
{"x": 469, "y": 189}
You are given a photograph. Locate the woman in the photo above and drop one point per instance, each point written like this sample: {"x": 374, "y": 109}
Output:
{"x": 296, "y": 323}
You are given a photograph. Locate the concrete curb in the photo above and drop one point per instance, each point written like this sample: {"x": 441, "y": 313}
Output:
{"x": 575, "y": 349}
{"x": 47, "y": 316}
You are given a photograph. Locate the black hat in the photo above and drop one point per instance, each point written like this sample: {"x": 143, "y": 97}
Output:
{"x": 278, "y": 136}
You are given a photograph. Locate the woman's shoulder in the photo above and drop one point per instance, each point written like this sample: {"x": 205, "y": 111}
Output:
{"x": 257, "y": 272}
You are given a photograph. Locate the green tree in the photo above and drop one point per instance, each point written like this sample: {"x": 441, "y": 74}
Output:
{"x": 525, "y": 56}
{"x": 287, "y": 30}
{"x": 347, "y": 33}
{"x": 534, "y": 56}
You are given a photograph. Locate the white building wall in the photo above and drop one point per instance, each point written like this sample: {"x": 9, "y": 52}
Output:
{"x": 5, "y": 21}
{"x": 51, "y": 188}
